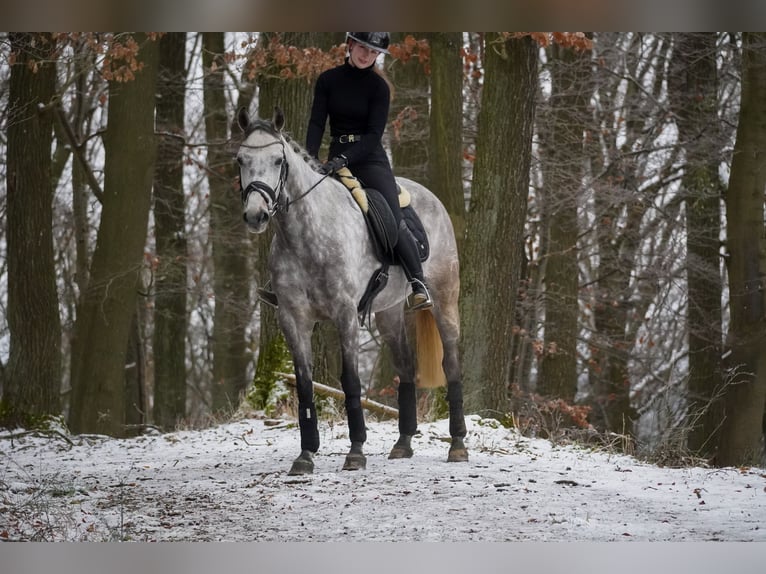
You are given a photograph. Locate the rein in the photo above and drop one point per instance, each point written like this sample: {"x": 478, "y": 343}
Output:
{"x": 268, "y": 193}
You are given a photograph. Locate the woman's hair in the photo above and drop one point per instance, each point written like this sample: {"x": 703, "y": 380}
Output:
{"x": 382, "y": 73}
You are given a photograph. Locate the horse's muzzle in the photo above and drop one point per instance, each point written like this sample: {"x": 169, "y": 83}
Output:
{"x": 256, "y": 222}
{"x": 258, "y": 219}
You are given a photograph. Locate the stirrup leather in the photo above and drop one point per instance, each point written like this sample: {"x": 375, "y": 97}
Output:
{"x": 267, "y": 296}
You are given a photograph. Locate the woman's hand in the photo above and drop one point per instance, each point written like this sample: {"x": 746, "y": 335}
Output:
{"x": 333, "y": 165}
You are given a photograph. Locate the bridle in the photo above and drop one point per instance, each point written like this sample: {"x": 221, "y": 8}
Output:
{"x": 274, "y": 198}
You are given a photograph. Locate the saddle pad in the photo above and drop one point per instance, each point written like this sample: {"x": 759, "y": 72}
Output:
{"x": 355, "y": 187}
{"x": 381, "y": 221}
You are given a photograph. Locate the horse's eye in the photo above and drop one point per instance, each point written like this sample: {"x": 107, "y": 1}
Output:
{"x": 239, "y": 160}
{"x": 278, "y": 162}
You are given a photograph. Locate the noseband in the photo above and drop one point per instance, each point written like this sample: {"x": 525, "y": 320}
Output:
{"x": 274, "y": 198}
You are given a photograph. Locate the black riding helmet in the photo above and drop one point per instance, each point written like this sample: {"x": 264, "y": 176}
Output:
{"x": 374, "y": 40}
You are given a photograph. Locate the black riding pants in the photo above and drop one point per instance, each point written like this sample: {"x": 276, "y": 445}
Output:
{"x": 376, "y": 173}
{"x": 378, "y": 176}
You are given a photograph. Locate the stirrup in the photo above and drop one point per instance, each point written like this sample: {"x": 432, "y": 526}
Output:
{"x": 420, "y": 299}
{"x": 267, "y": 296}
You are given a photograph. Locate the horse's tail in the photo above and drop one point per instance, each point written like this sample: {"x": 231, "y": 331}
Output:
{"x": 429, "y": 350}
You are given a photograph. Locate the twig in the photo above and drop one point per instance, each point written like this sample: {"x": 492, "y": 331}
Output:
{"x": 36, "y": 432}
{"x": 379, "y": 408}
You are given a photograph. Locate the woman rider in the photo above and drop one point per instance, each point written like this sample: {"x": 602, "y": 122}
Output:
{"x": 356, "y": 99}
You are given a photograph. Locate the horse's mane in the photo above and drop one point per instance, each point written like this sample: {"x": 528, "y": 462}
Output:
{"x": 267, "y": 126}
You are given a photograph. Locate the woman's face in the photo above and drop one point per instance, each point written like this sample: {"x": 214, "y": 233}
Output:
{"x": 361, "y": 56}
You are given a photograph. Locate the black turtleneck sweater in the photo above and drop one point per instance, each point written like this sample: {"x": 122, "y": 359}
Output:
{"x": 356, "y": 101}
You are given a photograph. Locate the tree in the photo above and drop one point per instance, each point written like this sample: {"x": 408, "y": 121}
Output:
{"x": 627, "y": 254}
{"x": 107, "y": 307}
{"x": 563, "y": 167}
{"x": 493, "y": 244}
{"x": 169, "y": 342}
{"x": 408, "y": 116}
{"x": 741, "y": 430}
{"x": 693, "y": 86}
{"x": 445, "y": 126}
{"x": 230, "y": 253}
{"x": 32, "y": 384}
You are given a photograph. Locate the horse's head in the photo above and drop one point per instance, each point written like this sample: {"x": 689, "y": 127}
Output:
{"x": 262, "y": 168}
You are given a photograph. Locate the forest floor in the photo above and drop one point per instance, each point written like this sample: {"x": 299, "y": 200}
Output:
{"x": 230, "y": 483}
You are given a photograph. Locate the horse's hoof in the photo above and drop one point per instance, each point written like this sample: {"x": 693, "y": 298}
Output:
{"x": 304, "y": 464}
{"x": 402, "y": 448}
{"x": 457, "y": 451}
{"x": 355, "y": 461}
{"x": 400, "y": 452}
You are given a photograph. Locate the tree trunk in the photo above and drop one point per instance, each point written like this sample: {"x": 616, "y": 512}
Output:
{"x": 491, "y": 260}
{"x": 33, "y": 379}
{"x": 741, "y": 431}
{"x": 169, "y": 338}
{"x": 563, "y": 164}
{"x": 232, "y": 307}
{"x": 408, "y": 116}
{"x": 693, "y": 93}
{"x": 104, "y": 316}
{"x": 622, "y": 291}
{"x": 445, "y": 133}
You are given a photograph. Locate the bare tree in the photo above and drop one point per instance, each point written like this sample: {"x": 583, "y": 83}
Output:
{"x": 231, "y": 275}
{"x": 32, "y": 383}
{"x": 108, "y": 304}
{"x": 169, "y": 341}
{"x": 693, "y": 87}
{"x": 741, "y": 430}
{"x": 491, "y": 257}
{"x": 563, "y": 164}
{"x": 408, "y": 116}
{"x": 445, "y": 132}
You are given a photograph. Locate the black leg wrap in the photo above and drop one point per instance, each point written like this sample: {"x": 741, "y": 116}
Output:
{"x": 456, "y": 416}
{"x": 408, "y": 414}
{"x": 356, "y": 429}
{"x": 307, "y": 420}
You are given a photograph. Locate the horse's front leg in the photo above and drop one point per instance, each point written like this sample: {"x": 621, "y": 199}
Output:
{"x": 307, "y": 421}
{"x": 352, "y": 388}
{"x": 299, "y": 342}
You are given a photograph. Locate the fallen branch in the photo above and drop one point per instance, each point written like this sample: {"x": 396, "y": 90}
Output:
{"x": 319, "y": 388}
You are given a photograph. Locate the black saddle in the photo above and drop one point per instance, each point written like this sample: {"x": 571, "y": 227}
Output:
{"x": 384, "y": 234}
{"x": 383, "y": 230}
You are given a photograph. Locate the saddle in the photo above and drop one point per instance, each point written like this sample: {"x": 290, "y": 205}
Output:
{"x": 383, "y": 232}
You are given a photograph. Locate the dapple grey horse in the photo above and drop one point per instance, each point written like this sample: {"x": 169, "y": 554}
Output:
{"x": 321, "y": 260}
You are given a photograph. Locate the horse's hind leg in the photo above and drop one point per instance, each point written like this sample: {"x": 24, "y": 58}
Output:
{"x": 448, "y": 323}
{"x": 392, "y": 329}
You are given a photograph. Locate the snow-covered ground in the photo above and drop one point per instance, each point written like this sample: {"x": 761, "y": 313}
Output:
{"x": 230, "y": 483}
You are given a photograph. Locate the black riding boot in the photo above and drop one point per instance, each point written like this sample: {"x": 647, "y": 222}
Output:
{"x": 409, "y": 257}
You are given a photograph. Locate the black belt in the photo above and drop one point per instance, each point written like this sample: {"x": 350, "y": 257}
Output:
{"x": 346, "y": 138}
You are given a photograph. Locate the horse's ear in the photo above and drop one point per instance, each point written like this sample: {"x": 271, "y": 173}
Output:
{"x": 279, "y": 118}
{"x": 243, "y": 118}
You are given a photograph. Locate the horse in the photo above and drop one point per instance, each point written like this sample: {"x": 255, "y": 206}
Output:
{"x": 320, "y": 261}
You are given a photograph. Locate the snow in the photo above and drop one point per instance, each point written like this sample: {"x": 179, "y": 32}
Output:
{"x": 230, "y": 483}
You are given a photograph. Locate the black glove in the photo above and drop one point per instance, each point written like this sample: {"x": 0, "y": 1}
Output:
{"x": 333, "y": 165}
